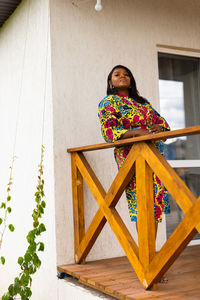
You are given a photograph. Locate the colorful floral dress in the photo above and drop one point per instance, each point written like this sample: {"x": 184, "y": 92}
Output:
{"x": 118, "y": 114}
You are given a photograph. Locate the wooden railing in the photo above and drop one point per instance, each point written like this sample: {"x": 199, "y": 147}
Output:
{"x": 143, "y": 159}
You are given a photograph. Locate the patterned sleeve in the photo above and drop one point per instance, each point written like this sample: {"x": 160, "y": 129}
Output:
{"x": 159, "y": 120}
{"x": 111, "y": 119}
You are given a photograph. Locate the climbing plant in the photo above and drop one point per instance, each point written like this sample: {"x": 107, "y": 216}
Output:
{"x": 5, "y": 210}
{"x": 30, "y": 262}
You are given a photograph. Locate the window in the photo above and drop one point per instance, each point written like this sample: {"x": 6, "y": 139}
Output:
{"x": 179, "y": 88}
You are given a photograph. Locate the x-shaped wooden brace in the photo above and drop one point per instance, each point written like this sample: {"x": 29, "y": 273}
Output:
{"x": 148, "y": 265}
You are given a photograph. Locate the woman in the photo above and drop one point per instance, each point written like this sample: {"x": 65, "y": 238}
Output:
{"x": 123, "y": 114}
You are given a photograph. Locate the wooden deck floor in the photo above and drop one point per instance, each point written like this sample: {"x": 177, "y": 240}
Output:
{"x": 116, "y": 278}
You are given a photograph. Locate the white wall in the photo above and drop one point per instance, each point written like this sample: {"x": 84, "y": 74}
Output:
{"x": 27, "y": 26}
{"x": 85, "y": 46}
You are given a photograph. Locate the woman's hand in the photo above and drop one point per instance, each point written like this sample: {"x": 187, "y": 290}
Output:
{"x": 155, "y": 128}
{"x": 140, "y": 132}
{"x": 134, "y": 133}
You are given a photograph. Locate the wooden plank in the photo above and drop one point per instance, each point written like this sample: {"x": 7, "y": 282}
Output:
{"x": 151, "y": 137}
{"x": 95, "y": 283}
{"x": 102, "y": 269}
{"x": 174, "y": 245}
{"x": 78, "y": 206}
{"x": 145, "y": 208}
{"x": 177, "y": 188}
{"x": 125, "y": 275}
{"x": 97, "y": 190}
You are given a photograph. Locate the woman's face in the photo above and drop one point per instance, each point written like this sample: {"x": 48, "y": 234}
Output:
{"x": 120, "y": 79}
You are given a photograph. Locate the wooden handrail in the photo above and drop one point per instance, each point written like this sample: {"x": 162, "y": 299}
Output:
{"x": 151, "y": 137}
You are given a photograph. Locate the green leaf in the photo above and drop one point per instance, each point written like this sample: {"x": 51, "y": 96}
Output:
{"x": 42, "y": 228}
{"x": 29, "y": 239}
{"x": 17, "y": 280}
{"x": 3, "y": 260}
{"x": 11, "y": 290}
{"x": 32, "y": 247}
{"x": 31, "y": 271}
{"x": 3, "y": 205}
{"x": 41, "y": 247}
{"x": 16, "y": 287}
{"x": 28, "y": 292}
{"x": 25, "y": 279}
{"x": 43, "y": 204}
{"x": 1, "y": 220}
{"x": 20, "y": 260}
{"x": 9, "y": 209}
{"x": 31, "y": 236}
{"x": 41, "y": 210}
{"x": 8, "y": 198}
{"x": 11, "y": 227}
{"x": 27, "y": 257}
{"x": 36, "y": 261}
{"x": 6, "y": 297}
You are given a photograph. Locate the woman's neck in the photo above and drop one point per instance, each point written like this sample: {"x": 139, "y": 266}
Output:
{"x": 124, "y": 93}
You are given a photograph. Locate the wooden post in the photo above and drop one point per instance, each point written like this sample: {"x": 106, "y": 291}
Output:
{"x": 145, "y": 210}
{"x": 78, "y": 207}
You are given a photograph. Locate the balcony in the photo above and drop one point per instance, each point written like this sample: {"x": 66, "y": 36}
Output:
{"x": 137, "y": 275}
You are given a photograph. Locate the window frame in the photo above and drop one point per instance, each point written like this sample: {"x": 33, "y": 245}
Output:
{"x": 179, "y": 163}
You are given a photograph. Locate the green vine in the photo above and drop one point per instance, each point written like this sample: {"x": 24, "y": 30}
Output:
{"x": 30, "y": 262}
{"x": 6, "y": 209}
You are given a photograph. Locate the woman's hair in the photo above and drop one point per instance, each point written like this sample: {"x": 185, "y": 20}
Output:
{"x": 133, "y": 92}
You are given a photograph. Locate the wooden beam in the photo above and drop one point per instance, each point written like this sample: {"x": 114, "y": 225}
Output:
{"x": 145, "y": 209}
{"x": 151, "y": 137}
{"x": 78, "y": 206}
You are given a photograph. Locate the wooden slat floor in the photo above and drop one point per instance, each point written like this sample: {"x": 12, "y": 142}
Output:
{"x": 116, "y": 278}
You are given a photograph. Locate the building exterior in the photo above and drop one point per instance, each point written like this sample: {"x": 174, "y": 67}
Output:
{"x": 55, "y": 56}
